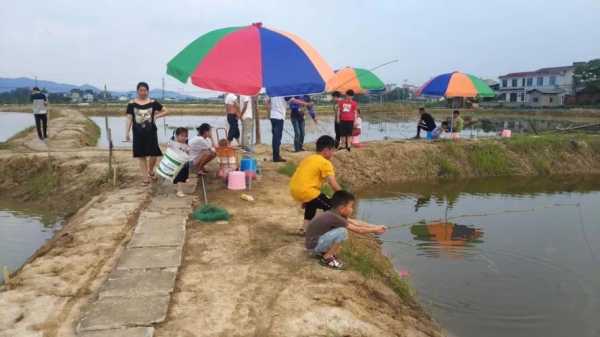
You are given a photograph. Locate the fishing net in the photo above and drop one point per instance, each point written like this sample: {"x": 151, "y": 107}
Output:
{"x": 210, "y": 213}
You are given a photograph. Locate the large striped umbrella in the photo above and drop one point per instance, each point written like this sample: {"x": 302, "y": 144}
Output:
{"x": 456, "y": 84}
{"x": 243, "y": 60}
{"x": 357, "y": 79}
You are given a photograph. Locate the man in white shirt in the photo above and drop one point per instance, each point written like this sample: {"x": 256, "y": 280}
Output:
{"x": 276, "y": 107}
{"x": 247, "y": 112}
{"x": 202, "y": 150}
{"x": 232, "y": 108}
{"x": 40, "y": 112}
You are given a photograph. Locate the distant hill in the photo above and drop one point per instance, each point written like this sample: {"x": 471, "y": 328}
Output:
{"x": 9, "y": 84}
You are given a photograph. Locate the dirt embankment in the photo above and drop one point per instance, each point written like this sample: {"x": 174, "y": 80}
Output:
{"x": 251, "y": 276}
{"x": 61, "y": 174}
{"x": 69, "y": 178}
{"x": 401, "y": 161}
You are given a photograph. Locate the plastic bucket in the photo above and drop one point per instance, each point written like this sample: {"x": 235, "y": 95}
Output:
{"x": 236, "y": 180}
{"x": 248, "y": 164}
{"x": 171, "y": 163}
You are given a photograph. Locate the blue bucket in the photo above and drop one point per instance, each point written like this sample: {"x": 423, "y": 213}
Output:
{"x": 429, "y": 135}
{"x": 248, "y": 164}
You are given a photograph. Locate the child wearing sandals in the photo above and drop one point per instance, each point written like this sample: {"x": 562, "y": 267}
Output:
{"x": 326, "y": 232}
{"x": 179, "y": 142}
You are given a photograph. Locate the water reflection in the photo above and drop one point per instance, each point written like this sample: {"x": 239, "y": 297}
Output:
{"x": 439, "y": 238}
{"x": 518, "y": 256}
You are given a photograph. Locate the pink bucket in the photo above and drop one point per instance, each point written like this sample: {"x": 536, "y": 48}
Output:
{"x": 236, "y": 180}
{"x": 506, "y": 133}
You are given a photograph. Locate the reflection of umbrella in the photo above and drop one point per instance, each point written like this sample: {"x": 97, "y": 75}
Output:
{"x": 357, "y": 79}
{"x": 456, "y": 84}
{"x": 243, "y": 60}
{"x": 446, "y": 234}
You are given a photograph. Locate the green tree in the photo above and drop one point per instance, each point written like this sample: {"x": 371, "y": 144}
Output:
{"x": 587, "y": 76}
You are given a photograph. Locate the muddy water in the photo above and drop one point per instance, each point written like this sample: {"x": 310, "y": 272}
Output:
{"x": 22, "y": 232}
{"x": 498, "y": 257}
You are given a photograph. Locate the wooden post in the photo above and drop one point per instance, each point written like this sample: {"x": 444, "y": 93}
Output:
{"x": 108, "y": 133}
{"x": 6, "y": 274}
{"x": 115, "y": 176}
{"x": 256, "y": 119}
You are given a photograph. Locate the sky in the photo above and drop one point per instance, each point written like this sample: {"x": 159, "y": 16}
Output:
{"x": 120, "y": 43}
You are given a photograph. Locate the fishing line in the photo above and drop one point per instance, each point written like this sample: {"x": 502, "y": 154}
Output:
{"x": 584, "y": 234}
{"x": 371, "y": 69}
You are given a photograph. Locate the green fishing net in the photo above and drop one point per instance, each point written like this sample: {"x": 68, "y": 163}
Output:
{"x": 210, "y": 213}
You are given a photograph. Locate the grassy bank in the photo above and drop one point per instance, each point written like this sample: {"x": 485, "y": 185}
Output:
{"x": 382, "y": 163}
{"x": 402, "y": 161}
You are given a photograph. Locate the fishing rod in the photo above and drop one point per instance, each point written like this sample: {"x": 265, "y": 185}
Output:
{"x": 371, "y": 69}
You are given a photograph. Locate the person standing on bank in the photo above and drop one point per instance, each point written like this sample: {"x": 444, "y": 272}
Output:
{"x": 297, "y": 105}
{"x": 276, "y": 107}
{"x": 142, "y": 112}
{"x": 232, "y": 108}
{"x": 40, "y": 112}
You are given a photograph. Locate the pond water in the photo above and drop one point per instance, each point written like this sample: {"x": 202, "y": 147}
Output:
{"x": 13, "y": 122}
{"x": 498, "y": 257}
{"x": 373, "y": 129}
{"x": 22, "y": 232}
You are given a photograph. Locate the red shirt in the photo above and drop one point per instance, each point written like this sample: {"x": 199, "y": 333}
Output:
{"x": 347, "y": 110}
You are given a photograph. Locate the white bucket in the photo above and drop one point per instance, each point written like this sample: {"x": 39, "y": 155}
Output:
{"x": 171, "y": 163}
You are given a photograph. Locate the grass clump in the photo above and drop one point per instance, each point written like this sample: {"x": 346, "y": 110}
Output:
{"x": 42, "y": 183}
{"x": 362, "y": 255}
{"x": 288, "y": 169}
{"x": 92, "y": 133}
{"x": 489, "y": 159}
{"x": 447, "y": 169}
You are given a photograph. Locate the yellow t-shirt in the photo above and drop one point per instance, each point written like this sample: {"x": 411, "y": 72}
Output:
{"x": 309, "y": 177}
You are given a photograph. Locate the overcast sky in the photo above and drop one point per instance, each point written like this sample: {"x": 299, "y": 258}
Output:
{"x": 123, "y": 42}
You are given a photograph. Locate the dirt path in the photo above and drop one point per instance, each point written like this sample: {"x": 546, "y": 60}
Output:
{"x": 252, "y": 277}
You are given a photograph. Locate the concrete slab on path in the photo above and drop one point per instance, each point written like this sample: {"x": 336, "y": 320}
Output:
{"x": 127, "y": 332}
{"x": 150, "y": 257}
{"x": 116, "y": 312}
{"x": 160, "y": 224}
{"x": 170, "y": 203}
{"x": 138, "y": 283}
{"x": 164, "y": 238}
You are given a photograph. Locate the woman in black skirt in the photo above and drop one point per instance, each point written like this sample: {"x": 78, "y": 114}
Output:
{"x": 141, "y": 114}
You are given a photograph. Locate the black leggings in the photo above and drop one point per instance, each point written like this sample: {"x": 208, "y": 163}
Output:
{"x": 41, "y": 125}
{"x": 234, "y": 128}
{"x": 320, "y": 202}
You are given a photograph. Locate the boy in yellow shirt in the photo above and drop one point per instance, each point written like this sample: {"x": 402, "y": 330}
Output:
{"x": 312, "y": 172}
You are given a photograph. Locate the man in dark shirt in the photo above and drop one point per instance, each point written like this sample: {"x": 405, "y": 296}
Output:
{"x": 40, "y": 112}
{"x": 326, "y": 232}
{"x": 426, "y": 123}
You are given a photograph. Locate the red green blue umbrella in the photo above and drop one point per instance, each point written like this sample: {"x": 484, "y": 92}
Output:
{"x": 243, "y": 60}
{"x": 456, "y": 84}
{"x": 358, "y": 79}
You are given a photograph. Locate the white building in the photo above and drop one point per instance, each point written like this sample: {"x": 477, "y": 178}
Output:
{"x": 88, "y": 97}
{"x": 542, "y": 87}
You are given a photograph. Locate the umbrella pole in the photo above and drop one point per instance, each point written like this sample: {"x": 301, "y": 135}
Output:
{"x": 256, "y": 119}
